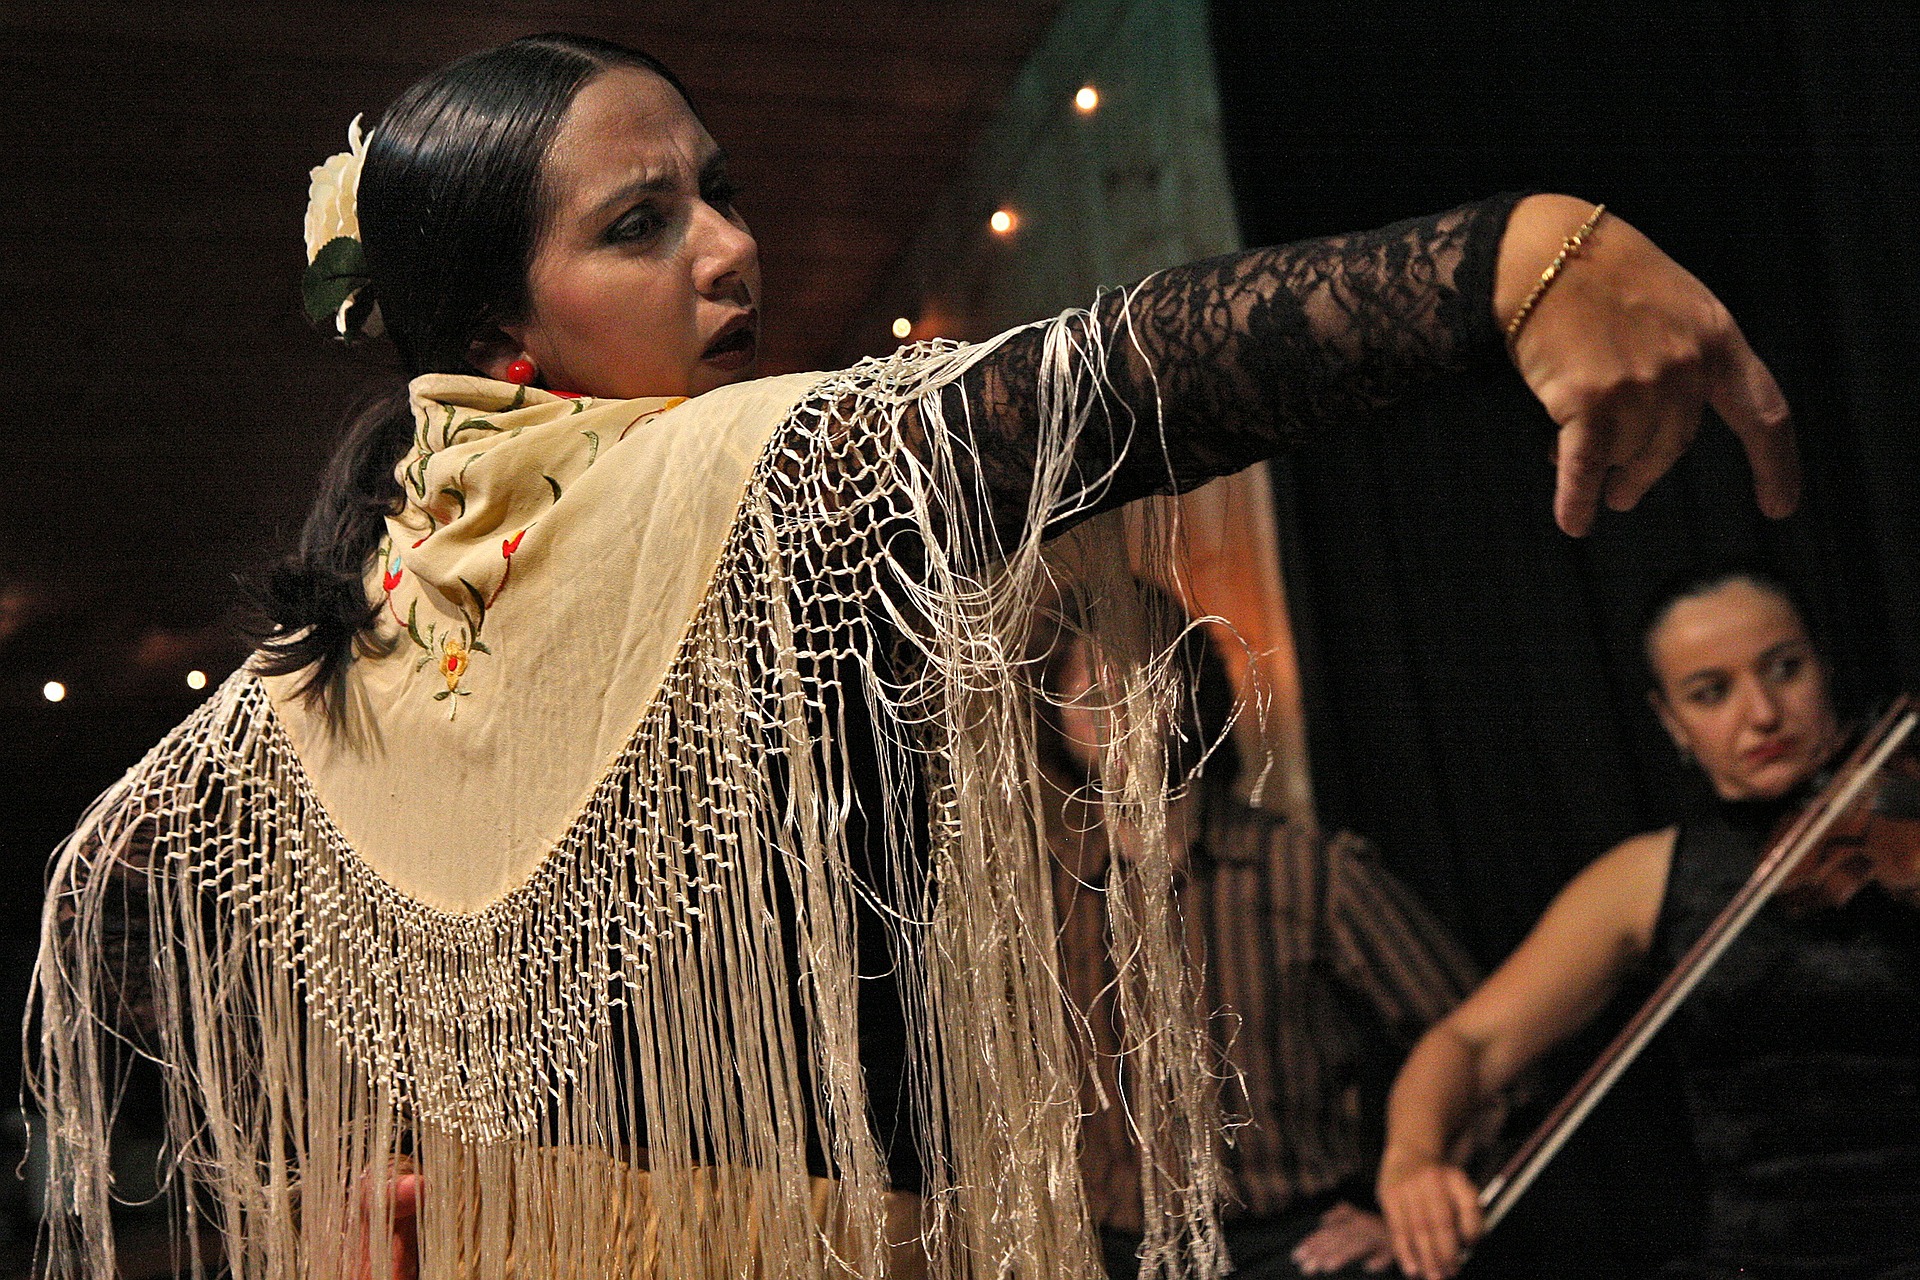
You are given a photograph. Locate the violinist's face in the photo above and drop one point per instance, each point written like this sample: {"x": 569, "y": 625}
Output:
{"x": 1742, "y": 690}
{"x": 646, "y": 281}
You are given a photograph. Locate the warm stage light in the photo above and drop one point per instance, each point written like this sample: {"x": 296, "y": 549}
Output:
{"x": 53, "y": 691}
{"x": 1087, "y": 99}
{"x": 196, "y": 679}
{"x": 1002, "y": 221}
{"x": 903, "y": 328}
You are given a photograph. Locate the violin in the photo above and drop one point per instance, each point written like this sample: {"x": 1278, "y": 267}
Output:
{"x": 1876, "y": 840}
{"x": 1861, "y": 828}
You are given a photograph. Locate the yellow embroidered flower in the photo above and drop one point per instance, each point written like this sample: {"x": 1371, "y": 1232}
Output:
{"x": 453, "y": 661}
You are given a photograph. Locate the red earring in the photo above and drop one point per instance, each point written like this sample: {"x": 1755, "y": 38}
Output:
{"x": 520, "y": 372}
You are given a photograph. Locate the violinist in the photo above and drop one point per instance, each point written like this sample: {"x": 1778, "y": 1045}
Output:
{"x": 1799, "y": 1050}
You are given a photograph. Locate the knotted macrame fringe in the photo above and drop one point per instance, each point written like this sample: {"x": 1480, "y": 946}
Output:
{"x": 614, "y": 1070}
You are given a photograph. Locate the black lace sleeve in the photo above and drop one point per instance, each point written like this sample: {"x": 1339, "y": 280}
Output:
{"x": 1242, "y": 353}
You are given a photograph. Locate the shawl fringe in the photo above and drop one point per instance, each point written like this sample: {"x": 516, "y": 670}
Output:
{"x": 614, "y": 1069}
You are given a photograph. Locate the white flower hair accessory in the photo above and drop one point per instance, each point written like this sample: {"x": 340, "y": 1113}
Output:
{"x": 336, "y": 262}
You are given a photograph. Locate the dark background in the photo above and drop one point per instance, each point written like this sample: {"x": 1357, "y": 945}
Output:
{"x": 1474, "y": 702}
{"x": 1470, "y": 672}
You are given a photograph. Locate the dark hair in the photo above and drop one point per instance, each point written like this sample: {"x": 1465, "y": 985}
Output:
{"x": 1702, "y": 580}
{"x": 451, "y": 206}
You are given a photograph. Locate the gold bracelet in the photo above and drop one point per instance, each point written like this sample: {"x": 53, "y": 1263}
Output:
{"x": 1569, "y": 248}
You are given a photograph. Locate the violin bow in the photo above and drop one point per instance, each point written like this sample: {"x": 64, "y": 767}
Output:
{"x": 1786, "y": 853}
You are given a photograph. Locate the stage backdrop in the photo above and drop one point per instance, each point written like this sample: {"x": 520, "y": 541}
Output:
{"x": 1105, "y": 162}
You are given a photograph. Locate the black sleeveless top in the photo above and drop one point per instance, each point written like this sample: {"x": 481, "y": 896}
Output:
{"x": 1800, "y": 1053}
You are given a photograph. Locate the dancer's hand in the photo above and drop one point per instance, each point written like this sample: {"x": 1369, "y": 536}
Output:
{"x": 1626, "y": 350}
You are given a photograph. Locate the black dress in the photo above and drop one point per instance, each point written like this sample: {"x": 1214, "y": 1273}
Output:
{"x": 1800, "y": 1054}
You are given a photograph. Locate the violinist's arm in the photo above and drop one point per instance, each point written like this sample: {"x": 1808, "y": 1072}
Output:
{"x": 1551, "y": 986}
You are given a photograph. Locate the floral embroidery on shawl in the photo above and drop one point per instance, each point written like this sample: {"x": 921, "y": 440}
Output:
{"x": 488, "y": 462}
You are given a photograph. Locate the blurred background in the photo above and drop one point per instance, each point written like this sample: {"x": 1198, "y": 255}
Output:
{"x": 1465, "y": 673}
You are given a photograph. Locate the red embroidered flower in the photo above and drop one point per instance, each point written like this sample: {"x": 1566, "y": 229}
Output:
{"x": 511, "y": 545}
{"x": 391, "y": 579}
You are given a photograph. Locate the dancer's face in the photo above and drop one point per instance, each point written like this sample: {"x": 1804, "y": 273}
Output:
{"x": 645, "y": 281}
{"x": 1743, "y": 691}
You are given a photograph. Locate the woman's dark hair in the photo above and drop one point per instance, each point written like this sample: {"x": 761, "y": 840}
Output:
{"x": 451, "y": 206}
{"x": 1702, "y": 580}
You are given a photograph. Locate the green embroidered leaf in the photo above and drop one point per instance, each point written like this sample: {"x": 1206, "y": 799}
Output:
{"x": 443, "y": 695}
{"x": 552, "y": 484}
{"x": 413, "y": 624}
{"x": 477, "y": 647}
{"x": 519, "y": 398}
{"x": 473, "y": 424}
{"x": 579, "y": 406}
{"x": 593, "y": 438}
{"x": 336, "y": 272}
{"x": 459, "y": 497}
{"x": 480, "y": 603}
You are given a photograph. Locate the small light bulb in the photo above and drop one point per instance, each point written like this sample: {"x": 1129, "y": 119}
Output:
{"x": 196, "y": 679}
{"x": 53, "y": 691}
{"x": 1087, "y": 100}
{"x": 903, "y": 328}
{"x": 1002, "y": 221}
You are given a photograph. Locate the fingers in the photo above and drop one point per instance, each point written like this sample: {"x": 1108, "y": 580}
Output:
{"x": 1675, "y": 415}
{"x": 1433, "y": 1216}
{"x": 1466, "y": 1212}
{"x": 1747, "y": 398}
{"x": 1345, "y": 1235}
{"x": 1582, "y": 467}
{"x": 1323, "y": 1251}
{"x": 1617, "y": 457}
{"x": 1624, "y": 444}
{"x": 1626, "y": 353}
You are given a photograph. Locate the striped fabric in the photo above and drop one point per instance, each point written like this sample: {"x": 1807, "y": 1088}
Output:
{"x": 1316, "y": 960}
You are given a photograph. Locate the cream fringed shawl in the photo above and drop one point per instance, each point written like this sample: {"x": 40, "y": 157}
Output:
{"x": 563, "y": 914}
